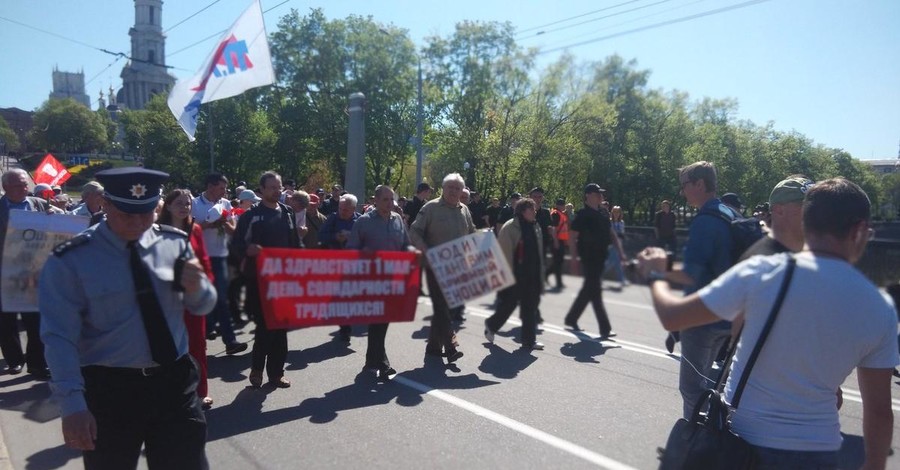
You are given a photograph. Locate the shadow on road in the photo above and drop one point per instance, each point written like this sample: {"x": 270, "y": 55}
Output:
{"x": 505, "y": 364}
{"x": 56, "y": 457}
{"x": 244, "y": 414}
{"x": 34, "y": 401}
{"x": 586, "y": 349}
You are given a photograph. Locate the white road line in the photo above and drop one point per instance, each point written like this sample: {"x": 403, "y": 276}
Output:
{"x": 849, "y": 393}
{"x": 517, "y": 426}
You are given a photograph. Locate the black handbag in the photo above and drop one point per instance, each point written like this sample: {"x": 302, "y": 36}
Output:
{"x": 705, "y": 441}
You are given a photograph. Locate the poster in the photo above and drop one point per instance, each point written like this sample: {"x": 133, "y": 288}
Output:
{"x": 470, "y": 267}
{"x": 300, "y": 288}
{"x": 30, "y": 236}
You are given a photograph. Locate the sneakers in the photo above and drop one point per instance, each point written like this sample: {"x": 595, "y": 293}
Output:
{"x": 280, "y": 382}
{"x": 488, "y": 334}
{"x": 235, "y": 348}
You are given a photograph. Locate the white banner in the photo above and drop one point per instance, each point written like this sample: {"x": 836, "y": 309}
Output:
{"x": 470, "y": 267}
{"x": 239, "y": 62}
{"x": 30, "y": 237}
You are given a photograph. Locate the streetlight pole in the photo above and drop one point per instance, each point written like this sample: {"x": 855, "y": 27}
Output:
{"x": 419, "y": 127}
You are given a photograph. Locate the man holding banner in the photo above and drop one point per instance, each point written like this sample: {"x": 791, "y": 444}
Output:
{"x": 268, "y": 224}
{"x": 439, "y": 221}
{"x": 380, "y": 230}
{"x": 15, "y": 184}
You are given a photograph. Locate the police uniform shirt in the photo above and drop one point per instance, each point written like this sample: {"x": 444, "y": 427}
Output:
{"x": 89, "y": 309}
{"x": 593, "y": 227}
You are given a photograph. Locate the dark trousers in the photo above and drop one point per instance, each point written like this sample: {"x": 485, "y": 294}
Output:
{"x": 235, "y": 286}
{"x": 11, "y": 345}
{"x": 270, "y": 347}
{"x": 670, "y": 244}
{"x": 527, "y": 299}
{"x": 591, "y": 291}
{"x": 376, "y": 356}
{"x": 219, "y": 319}
{"x": 555, "y": 268}
{"x": 441, "y": 334}
{"x": 161, "y": 412}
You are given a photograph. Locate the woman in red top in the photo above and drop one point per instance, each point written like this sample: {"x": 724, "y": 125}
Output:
{"x": 176, "y": 211}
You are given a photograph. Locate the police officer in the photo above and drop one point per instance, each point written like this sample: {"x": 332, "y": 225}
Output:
{"x": 115, "y": 337}
{"x": 589, "y": 236}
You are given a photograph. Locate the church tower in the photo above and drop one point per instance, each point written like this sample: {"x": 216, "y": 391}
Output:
{"x": 145, "y": 75}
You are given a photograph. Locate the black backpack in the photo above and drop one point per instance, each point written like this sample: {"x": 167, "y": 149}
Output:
{"x": 745, "y": 231}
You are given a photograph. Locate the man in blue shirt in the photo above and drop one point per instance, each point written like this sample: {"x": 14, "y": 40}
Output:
{"x": 707, "y": 254}
{"x": 380, "y": 229}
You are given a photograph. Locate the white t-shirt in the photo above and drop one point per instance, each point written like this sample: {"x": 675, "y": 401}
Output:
{"x": 832, "y": 320}
{"x": 215, "y": 239}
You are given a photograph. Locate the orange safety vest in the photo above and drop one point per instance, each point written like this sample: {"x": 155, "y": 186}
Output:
{"x": 562, "y": 230}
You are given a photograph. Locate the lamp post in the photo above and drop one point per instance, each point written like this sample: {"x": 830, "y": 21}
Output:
{"x": 420, "y": 155}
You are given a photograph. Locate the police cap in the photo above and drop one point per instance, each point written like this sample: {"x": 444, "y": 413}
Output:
{"x": 133, "y": 190}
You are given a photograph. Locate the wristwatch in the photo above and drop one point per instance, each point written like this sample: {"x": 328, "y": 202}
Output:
{"x": 655, "y": 276}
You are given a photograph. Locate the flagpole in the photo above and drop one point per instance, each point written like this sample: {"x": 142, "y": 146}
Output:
{"x": 212, "y": 154}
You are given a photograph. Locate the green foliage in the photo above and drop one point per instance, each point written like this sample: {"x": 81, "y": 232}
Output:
{"x": 486, "y": 104}
{"x": 67, "y": 126}
{"x": 8, "y": 136}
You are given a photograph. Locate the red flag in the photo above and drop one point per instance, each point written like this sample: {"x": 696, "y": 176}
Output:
{"x": 51, "y": 171}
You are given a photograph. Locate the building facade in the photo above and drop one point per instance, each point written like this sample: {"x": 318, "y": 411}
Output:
{"x": 69, "y": 85}
{"x": 146, "y": 74}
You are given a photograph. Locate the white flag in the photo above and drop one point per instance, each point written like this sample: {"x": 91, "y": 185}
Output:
{"x": 239, "y": 62}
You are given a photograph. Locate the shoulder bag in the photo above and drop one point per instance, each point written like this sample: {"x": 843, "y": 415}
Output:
{"x": 706, "y": 441}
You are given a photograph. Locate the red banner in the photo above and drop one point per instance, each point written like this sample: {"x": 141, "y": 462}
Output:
{"x": 299, "y": 288}
{"x": 51, "y": 171}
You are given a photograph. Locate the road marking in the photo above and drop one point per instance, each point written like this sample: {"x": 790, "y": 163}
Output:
{"x": 517, "y": 426}
{"x": 849, "y": 393}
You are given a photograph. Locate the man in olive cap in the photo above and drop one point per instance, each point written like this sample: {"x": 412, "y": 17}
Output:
{"x": 116, "y": 339}
{"x": 786, "y": 209}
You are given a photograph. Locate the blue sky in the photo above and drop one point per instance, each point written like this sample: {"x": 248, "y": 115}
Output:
{"x": 829, "y": 69}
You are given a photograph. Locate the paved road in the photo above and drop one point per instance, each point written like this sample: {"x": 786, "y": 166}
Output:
{"x": 580, "y": 403}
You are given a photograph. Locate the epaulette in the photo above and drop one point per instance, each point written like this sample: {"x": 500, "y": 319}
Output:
{"x": 169, "y": 229}
{"x": 76, "y": 241}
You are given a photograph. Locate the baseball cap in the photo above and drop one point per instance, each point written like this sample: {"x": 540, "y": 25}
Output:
{"x": 40, "y": 188}
{"x": 593, "y": 188}
{"x": 515, "y": 196}
{"x": 133, "y": 190}
{"x": 732, "y": 200}
{"x": 423, "y": 187}
{"x": 248, "y": 195}
{"x": 536, "y": 189}
{"x": 790, "y": 190}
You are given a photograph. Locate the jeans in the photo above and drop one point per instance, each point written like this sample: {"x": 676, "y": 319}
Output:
{"x": 775, "y": 459}
{"x": 220, "y": 317}
{"x": 699, "y": 348}
{"x": 613, "y": 261}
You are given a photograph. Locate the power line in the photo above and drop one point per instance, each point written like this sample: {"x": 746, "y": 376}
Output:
{"x": 207, "y": 38}
{"x": 633, "y": 20}
{"x": 601, "y": 18}
{"x": 575, "y": 17}
{"x": 657, "y": 25}
{"x": 189, "y": 17}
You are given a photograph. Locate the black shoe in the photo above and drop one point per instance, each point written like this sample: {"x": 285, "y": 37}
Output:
{"x": 235, "y": 348}
{"x": 670, "y": 345}
{"x": 896, "y": 373}
{"x": 211, "y": 336}
{"x": 40, "y": 374}
{"x": 573, "y": 326}
{"x": 384, "y": 375}
{"x": 454, "y": 356}
{"x": 609, "y": 334}
{"x": 434, "y": 352}
{"x": 14, "y": 370}
{"x": 537, "y": 346}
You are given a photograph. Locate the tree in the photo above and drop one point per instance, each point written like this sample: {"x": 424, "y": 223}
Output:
{"x": 9, "y": 142}
{"x": 67, "y": 126}
{"x": 155, "y": 136}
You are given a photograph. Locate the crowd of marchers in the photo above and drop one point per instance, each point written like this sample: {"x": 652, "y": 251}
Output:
{"x": 185, "y": 272}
